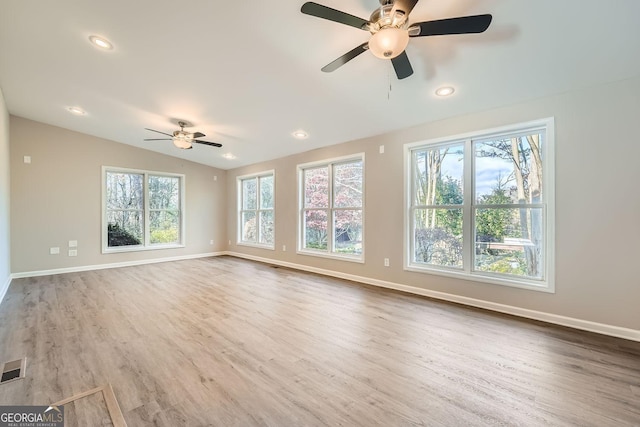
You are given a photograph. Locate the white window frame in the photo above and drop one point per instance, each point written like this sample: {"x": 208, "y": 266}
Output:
{"x": 146, "y": 245}
{"x": 257, "y": 210}
{"x": 330, "y": 234}
{"x": 547, "y": 283}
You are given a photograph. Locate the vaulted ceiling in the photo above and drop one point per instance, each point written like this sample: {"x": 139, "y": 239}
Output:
{"x": 247, "y": 73}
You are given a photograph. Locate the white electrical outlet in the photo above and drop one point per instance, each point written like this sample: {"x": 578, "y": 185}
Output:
{"x": 284, "y": 248}
{"x": 73, "y": 252}
{"x": 382, "y": 149}
{"x": 211, "y": 242}
{"x": 386, "y": 262}
{"x": 73, "y": 243}
{"x": 54, "y": 251}
{"x": 27, "y": 159}
{"x": 229, "y": 241}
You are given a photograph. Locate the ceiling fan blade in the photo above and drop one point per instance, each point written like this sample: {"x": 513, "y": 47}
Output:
{"x": 462, "y": 25}
{"x": 153, "y": 130}
{"x": 212, "y": 144}
{"x": 320, "y": 11}
{"x": 402, "y": 66}
{"x": 345, "y": 58}
{"x": 159, "y": 139}
{"x": 404, "y": 5}
{"x": 198, "y": 135}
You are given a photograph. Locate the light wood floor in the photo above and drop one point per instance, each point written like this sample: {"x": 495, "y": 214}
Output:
{"x": 229, "y": 342}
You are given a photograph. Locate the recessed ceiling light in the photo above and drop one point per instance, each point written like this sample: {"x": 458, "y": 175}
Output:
{"x": 300, "y": 134}
{"x": 228, "y": 156}
{"x": 101, "y": 42}
{"x": 445, "y": 91}
{"x": 77, "y": 111}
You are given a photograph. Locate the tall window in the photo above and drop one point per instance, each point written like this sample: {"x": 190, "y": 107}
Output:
{"x": 482, "y": 206}
{"x": 331, "y": 208}
{"x": 256, "y": 210}
{"x": 142, "y": 210}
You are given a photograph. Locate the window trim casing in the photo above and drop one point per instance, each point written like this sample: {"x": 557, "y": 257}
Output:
{"x": 548, "y": 153}
{"x": 239, "y": 210}
{"x": 146, "y": 246}
{"x": 300, "y": 235}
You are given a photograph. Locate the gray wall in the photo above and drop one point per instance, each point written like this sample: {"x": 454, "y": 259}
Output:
{"x": 597, "y": 205}
{"x": 57, "y": 198}
{"x": 5, "y": 235}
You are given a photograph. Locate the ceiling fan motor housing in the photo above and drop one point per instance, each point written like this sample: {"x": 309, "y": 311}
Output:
{"x": 181, "y": 134}
{"x": 385, "y": 17}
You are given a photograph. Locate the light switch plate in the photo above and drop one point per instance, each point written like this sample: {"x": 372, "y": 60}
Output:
{"x": 73, "y": 243}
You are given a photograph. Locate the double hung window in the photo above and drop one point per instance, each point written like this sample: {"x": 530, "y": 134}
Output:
{"x": 142, "y": 210}
{"x": 481, "y": 206}
{"x": 256, "y": 198}
{"x": 331, "y": 208}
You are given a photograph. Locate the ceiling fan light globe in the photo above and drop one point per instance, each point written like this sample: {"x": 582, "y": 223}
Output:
{"x": 183, "y": 143}
{"x": 389, "y": 42}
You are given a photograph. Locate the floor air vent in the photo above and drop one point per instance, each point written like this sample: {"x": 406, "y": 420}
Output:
{"x": 13, "y": 370}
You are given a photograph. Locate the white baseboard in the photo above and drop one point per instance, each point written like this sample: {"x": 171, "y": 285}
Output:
{"x": 112, "y": 265}
{"x": 4, "y": 288}
{"x": 585, "y": 325}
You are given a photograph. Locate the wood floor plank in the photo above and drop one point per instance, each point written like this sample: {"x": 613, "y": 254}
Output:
{"x": 229, "y": 342}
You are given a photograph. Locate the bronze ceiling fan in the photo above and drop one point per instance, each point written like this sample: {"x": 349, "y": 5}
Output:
{"x": 390, "y": 31}
{"x": 183, "y": 139}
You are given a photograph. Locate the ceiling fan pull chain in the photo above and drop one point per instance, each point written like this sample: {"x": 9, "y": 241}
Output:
{"x": 389, "y": 76}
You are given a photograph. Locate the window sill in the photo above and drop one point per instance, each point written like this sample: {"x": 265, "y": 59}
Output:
{"x": 120, "y": 249}
{"x": 349, "y": 258}
{"x": 257, "y": 245}
{"x": 511, "y": 282}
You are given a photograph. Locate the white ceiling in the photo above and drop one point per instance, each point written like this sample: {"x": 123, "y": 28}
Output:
{"x": 247, "y": 73}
